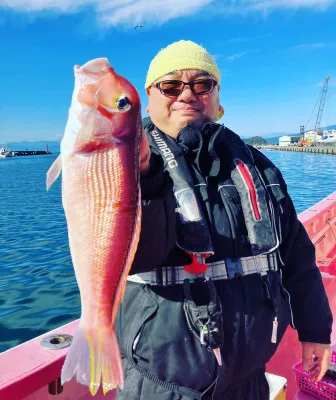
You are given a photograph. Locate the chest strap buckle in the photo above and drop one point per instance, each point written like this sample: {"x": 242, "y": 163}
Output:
{"x": 198, "y": 265}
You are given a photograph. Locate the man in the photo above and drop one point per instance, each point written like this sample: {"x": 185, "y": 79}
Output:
{"x": 223, "y": 263}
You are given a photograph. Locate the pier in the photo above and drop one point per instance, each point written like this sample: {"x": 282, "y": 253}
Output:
{"x": 305, "y": 149}
{"x": 31, "y": 152}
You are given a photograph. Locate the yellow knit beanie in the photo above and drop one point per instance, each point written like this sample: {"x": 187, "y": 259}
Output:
{"x": 184, "y": 54}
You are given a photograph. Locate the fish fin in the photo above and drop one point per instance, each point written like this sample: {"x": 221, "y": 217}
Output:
{"x": 130, "y": 257}
{"x": 94, "y": 357}
{"x": 83, "y": 142}
{"x": 54, "y": 171}
{"x": 112, "y": 368}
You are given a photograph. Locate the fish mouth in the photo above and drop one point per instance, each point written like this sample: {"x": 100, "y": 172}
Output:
{"x": 94, "y": 67}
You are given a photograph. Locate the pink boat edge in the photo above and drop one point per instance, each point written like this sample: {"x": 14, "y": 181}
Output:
{"x": 32, "y": 369}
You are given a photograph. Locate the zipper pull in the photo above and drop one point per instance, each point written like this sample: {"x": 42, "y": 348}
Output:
{"x": 204, "y": 331}
{"x": 274, "y": 330}
{"x": 218, "y": 355}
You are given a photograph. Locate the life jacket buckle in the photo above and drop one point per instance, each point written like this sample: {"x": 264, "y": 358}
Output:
{"x": 198, "y": 265}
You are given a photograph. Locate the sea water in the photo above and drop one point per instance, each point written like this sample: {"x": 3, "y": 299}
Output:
{"x": 38, "y": 289}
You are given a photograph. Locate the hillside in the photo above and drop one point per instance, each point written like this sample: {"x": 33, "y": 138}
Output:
{"x": 255, "y": 141}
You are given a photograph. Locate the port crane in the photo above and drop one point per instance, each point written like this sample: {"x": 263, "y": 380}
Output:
{"x": 322, "y": 102}
{"x": 322, "y": 98}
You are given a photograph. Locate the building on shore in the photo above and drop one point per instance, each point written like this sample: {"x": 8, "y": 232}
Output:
{"x": 288, "y": 140}
{"x": 325, "y": 136}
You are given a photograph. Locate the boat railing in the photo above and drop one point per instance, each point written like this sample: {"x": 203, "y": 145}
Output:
{"x": 320, "y": 224}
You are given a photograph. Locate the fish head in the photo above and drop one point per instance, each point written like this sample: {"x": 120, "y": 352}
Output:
{"x": 105, "y": 109}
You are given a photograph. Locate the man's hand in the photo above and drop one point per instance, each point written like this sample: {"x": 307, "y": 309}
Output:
{"x": 316, "y": 359}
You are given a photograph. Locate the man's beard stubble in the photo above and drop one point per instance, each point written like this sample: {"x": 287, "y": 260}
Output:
{"x": 197, "y": 123}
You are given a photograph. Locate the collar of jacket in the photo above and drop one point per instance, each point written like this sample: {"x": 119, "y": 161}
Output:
{"x": 213, "y": 141}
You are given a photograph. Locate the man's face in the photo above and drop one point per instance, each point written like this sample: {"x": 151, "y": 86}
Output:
{"x": 172, "y": 113}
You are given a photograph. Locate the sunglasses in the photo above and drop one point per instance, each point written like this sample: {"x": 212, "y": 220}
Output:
{"x": 175, "y": 88}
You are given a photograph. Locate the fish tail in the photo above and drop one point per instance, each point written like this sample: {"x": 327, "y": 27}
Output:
{"x": 94, "y": 357}
{"x": 112, "y": 369}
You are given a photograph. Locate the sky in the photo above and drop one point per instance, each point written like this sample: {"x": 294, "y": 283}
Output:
{"x": 274, "y": 56}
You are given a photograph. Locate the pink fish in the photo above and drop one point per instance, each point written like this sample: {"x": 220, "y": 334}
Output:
{"x": 100, "y": 162}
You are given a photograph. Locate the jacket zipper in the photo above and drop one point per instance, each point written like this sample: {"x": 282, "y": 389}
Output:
{"x": 289, "y": 301}
{"x": 270, "y": 297}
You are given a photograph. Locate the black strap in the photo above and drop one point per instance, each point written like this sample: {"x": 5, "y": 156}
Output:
{"x": 192, "y": 230}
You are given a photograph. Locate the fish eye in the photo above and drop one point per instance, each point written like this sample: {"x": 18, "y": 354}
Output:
{"x": 123, "y": 104}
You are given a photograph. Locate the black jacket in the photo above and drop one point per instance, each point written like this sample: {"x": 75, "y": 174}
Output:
{"x": 157, "y": 247}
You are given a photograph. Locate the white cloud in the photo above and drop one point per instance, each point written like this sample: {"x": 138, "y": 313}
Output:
{"x": 114, "y": 12}
{"x": 276, "y": 4}
{"x": 131, "y": 12}
{"x": 236, "y": 56}
{"x": 312, "y": 46}
{"x": 151, "y": 10}
{"x": 43, "y": 5}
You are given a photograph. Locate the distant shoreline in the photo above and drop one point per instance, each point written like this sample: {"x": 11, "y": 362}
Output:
{"x": 23, "y": 153}
{"x": 307, "y": 149}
